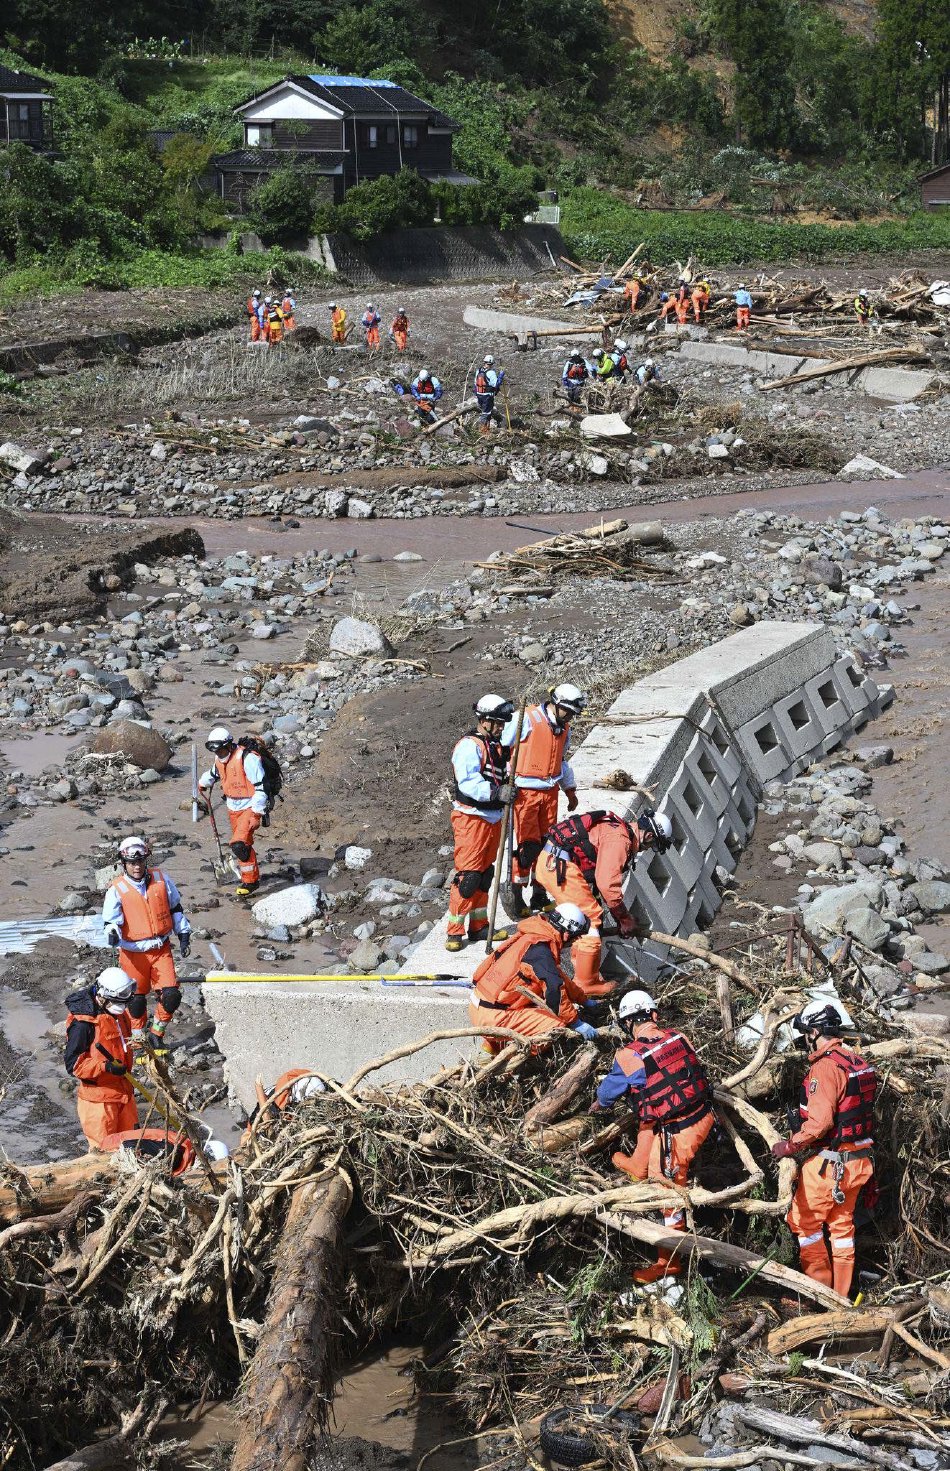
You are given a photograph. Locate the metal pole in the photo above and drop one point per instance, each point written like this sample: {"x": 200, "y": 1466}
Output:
{"x": 507, "y": 830}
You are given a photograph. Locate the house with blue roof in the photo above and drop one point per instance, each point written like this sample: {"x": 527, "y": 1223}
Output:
{"x": 340, "y": 131}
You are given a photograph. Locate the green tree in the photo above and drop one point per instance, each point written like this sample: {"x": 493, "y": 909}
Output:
{"x": 756, "y": 35}
{"x": 282, "y": 207}
{"x": 362, "y": 39}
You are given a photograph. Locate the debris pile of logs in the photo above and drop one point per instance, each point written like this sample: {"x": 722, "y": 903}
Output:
{"x": 610, "y": 549}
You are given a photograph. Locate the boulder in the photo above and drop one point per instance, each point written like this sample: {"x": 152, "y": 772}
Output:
{"x": 823, "y": 571}
{"x": 335, "y": 502}
{"x": 862, "y": 467}
{"x": 932, "y": 896}
{"x": 825, "y": 855}
{"x": 355, "y": 858}
{"x": 294, "y": 906}
{"x": 140, "y": 744}
{"x": 358, "y": 510}
{"x": 366, "y": 957}
{"x": 357, "y": 639}
{"x": 826, "y": 913}
{"x": 867, "y": 927}
{"x": 22, "y": 460}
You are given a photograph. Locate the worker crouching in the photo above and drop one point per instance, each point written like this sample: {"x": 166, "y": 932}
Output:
{"x": 141, "y": 911}
{"x": 522, "y": 986}
{"x": 837, "y": 1135}
{"x": 661, "y": 1069}
{"x": 479, "y": 769}
{"x": 99, "y": 1055}
{"x": 584, "y": 861}
{"x": 426, "y": 391}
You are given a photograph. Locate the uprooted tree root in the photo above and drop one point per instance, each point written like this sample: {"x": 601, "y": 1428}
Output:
{"x": 481, "y": 1209}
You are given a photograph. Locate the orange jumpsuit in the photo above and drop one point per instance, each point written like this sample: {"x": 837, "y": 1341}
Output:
{"x": 240, "y": 792}
{"x": 479, "y": 769}
{"x": 500, "y": 981}
{"x": 338, "y": 321}
{"x": 681, "y": 305}
{"x": 541, "y": 773}
{"x": 287, "y": 306}
{"x": 399, "y": 331}
{"x": 254, "y": 319}
{"x": 106, "y": 1103}
{"x": 661, "y": 1068}
{"x": 836, "y": 1111}
{"x": 144, "y": 919}
{"x": 632, "y": 293}
{"x": 615, "y": 845}
{"x": 700, "y": 301}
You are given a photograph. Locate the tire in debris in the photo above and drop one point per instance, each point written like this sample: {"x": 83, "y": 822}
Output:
{"x": 562, "y": 1442}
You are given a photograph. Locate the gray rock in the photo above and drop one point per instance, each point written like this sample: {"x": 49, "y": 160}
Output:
{"x": 27, "y": 462}
{"x": 72, "y": 903}
{"x": 825, "y": 914}
{"x": 103, "y": 876}
{"x": 873, "y": 756}
{"x": 140, "y": 744}
{"x": 408, "y": 557}
{"x": 866, "y": 926}
{"x": 932, "y": 896}
{"x": 366, "y": 930}
{"x": 294, "y": 906}
{"x": 263, "y": 630}
{"x": 741, "y": 616}
{"x": 358, "y": 639}
{"x": 287, "y": 724}
{"x": 387, "y": 891}
{"x": 280, "y": 934}
{"x": 534, "y": 653}
{"x": 826, "y": 855}
{"x": 358, "y": 510}
{"x": 366, "y": 957}
{"x": 336, "y": 502}
{"x": 356, "y": 859}
{"x": 823, "y": 570}
{"x": 433, "y": 878}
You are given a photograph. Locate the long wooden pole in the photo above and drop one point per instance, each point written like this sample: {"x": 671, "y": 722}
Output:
{"x": 507, "y": 825}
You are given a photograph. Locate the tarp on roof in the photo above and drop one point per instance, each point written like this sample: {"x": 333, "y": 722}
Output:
{"x": 331, "y": 81}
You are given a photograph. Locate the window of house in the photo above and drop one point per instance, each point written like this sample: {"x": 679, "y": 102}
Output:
{"x": 259, "y": 135}
{"x": 410, "y": 136}
{"x": 372, "y": 136}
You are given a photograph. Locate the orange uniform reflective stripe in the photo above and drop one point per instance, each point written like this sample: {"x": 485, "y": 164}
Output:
{"x": 114, "y": 1033}
{"x": 232, "y": 776}
{"x": 148, "y": 916}
{"x": 498, "y": 977}
{"x": 541, "y": 753}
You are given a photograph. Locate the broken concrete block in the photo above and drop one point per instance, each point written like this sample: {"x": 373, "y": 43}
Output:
{"x": 23, "y": 460}
{"x": 357, "y": 639}
{"x": 604, "y": 426}
{"x": 862, "y": 467}
{"x": 596, "y": 464}
{"x": 294, "y": 906}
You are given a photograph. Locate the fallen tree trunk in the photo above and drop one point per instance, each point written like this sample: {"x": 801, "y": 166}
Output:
{"x": 562, "y": 1095}
{"x": 892, "y": 355}
{"x": 807, "y": 1432}
{"x": 286, "y": 1396}
{"x": 41, "y": 1190}
{"x": 820, "y": 1327}
{"x": 722, "y": 1254}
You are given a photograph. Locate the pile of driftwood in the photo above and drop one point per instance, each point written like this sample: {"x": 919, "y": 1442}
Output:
{"x": 480, "y": 1208}
{"x": 611, "y": 549}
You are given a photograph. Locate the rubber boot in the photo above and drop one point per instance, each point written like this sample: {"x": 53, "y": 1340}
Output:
{"x": 156, "y": 1037}
{"x": 512, "y": 896}
{"x": 663, "y": 1267}
{"x": 454, "y": 943}
{"x": 243, "y": 891}
{"x": 621, "y": 1161}
{"x": 541, "y": 901}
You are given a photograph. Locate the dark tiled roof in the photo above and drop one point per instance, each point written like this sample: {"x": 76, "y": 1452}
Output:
{"x": 362, "y": 97}
{"x": 262, "y": 160}
{"x": 13, "y": 81}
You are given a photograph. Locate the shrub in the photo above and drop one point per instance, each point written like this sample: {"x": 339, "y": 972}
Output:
{"x": 282, "y": 207}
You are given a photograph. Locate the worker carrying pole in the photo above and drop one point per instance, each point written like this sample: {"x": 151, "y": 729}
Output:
{"x": 521, "y": 985}
{"x": 659, "y": 1066}
{"x": 543, "y": 772}
{"x": 141, "y": 911}
{"x": 481, "y": 790}
{"x": 585, "y": 860}
{"x": 836, "y": 1135}
{"x": 244, "y": 782}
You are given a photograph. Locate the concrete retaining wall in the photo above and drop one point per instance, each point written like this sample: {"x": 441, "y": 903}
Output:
{"x": 895, "y": 385}
{"x": 706, "y": 732}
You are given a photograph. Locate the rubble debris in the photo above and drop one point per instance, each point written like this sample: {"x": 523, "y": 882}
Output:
{"x": 614, "y": 549}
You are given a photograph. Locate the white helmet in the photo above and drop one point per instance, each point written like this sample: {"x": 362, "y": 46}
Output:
{"x": 819, "y": 1015}
{"x": 569, "y": 697}
{"x": 112, "y": 984}
{"x": 268, "y": 300}
{"x": 488, "y": 359}
{"x": 493, "y": 707}
{"x": 132, "y": 848}
{"x": 648, "y": 363}
{"x": 863, "y": 291}
{"x": 424, "y": 373}
{"x": 215, "y": 1149}
{"x": 331, "y": 306}
{"x": 219, "y": 739}
{"x": 620, "y": 345}
{"x": 570, "y": 920}
{"x": 658, "y": 825}
{"x": 256, "y": 291}
{"x": 304, "y": 1088}
{"x": 636, "y": 1003}
{"x": 370, "y": 307}
{"x": 741, "y": 286}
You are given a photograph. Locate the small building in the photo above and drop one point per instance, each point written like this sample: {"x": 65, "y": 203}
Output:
{"x": 935, "y": 188}
{"x": 339, "y": 131}
{"x": 26, "y": 110}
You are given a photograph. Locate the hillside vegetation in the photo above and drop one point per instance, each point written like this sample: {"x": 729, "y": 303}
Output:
{"x": 755, "y": 111}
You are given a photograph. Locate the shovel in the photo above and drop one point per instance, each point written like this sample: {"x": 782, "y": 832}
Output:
{"x": 222, "y": 868}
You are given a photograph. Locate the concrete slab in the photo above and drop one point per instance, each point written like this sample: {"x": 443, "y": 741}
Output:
{"x": 895, "y": 385}
{"x": 604, "y": 426}
{"x": 270, "y": 1026}
{"x": 513, "y": 322}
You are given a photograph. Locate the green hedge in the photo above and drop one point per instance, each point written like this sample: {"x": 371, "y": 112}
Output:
{"x": 202, "y": 268}
{"x": 596, "y": 225}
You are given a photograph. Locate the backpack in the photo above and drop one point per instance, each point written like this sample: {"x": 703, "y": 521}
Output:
{"x": 273, "y": 776}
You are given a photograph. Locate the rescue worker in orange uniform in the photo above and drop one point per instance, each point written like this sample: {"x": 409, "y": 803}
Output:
{"x": 743, "y": 300}
{"x": 543, "y": 771}
{"x": 273, "y": 321}
{"x": 241, "y": 774}
{"x": 337, "y": 324}
{"x": 294, "y": 1086}
{"x": 369, "y": 322}
{"x": 479, "y": 768}
{"x": 667, "y": 304}
{"x": 522, "y": 986}
{"x": 681, "y": 303}
{"x": 99, "y": 1054}
{"x": 659, "y": 1066}
{"x": 584, "y": 860}
{"x": 288, "y": 307}
{"x": 254, "y": 315}
{"x": 168, "y": 1144}
{"x": 700, "y": 300}
{"x": 399, "y": 329}
{"x": 141, "y": 911}
{"x": 837, "y": 1138}
{"x": 633, "y": 291}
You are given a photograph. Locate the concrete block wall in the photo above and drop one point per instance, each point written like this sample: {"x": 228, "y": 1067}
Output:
{"x": 705, "y": 733}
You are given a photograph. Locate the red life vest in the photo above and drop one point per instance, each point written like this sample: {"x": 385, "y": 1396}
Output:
{"x": 569, "y": 838}
{"x": 577, "y": 372}
{"x": 676, "y": 1084}
{"x": 494, "y": 760}
{"x": 854, "y": 1121}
